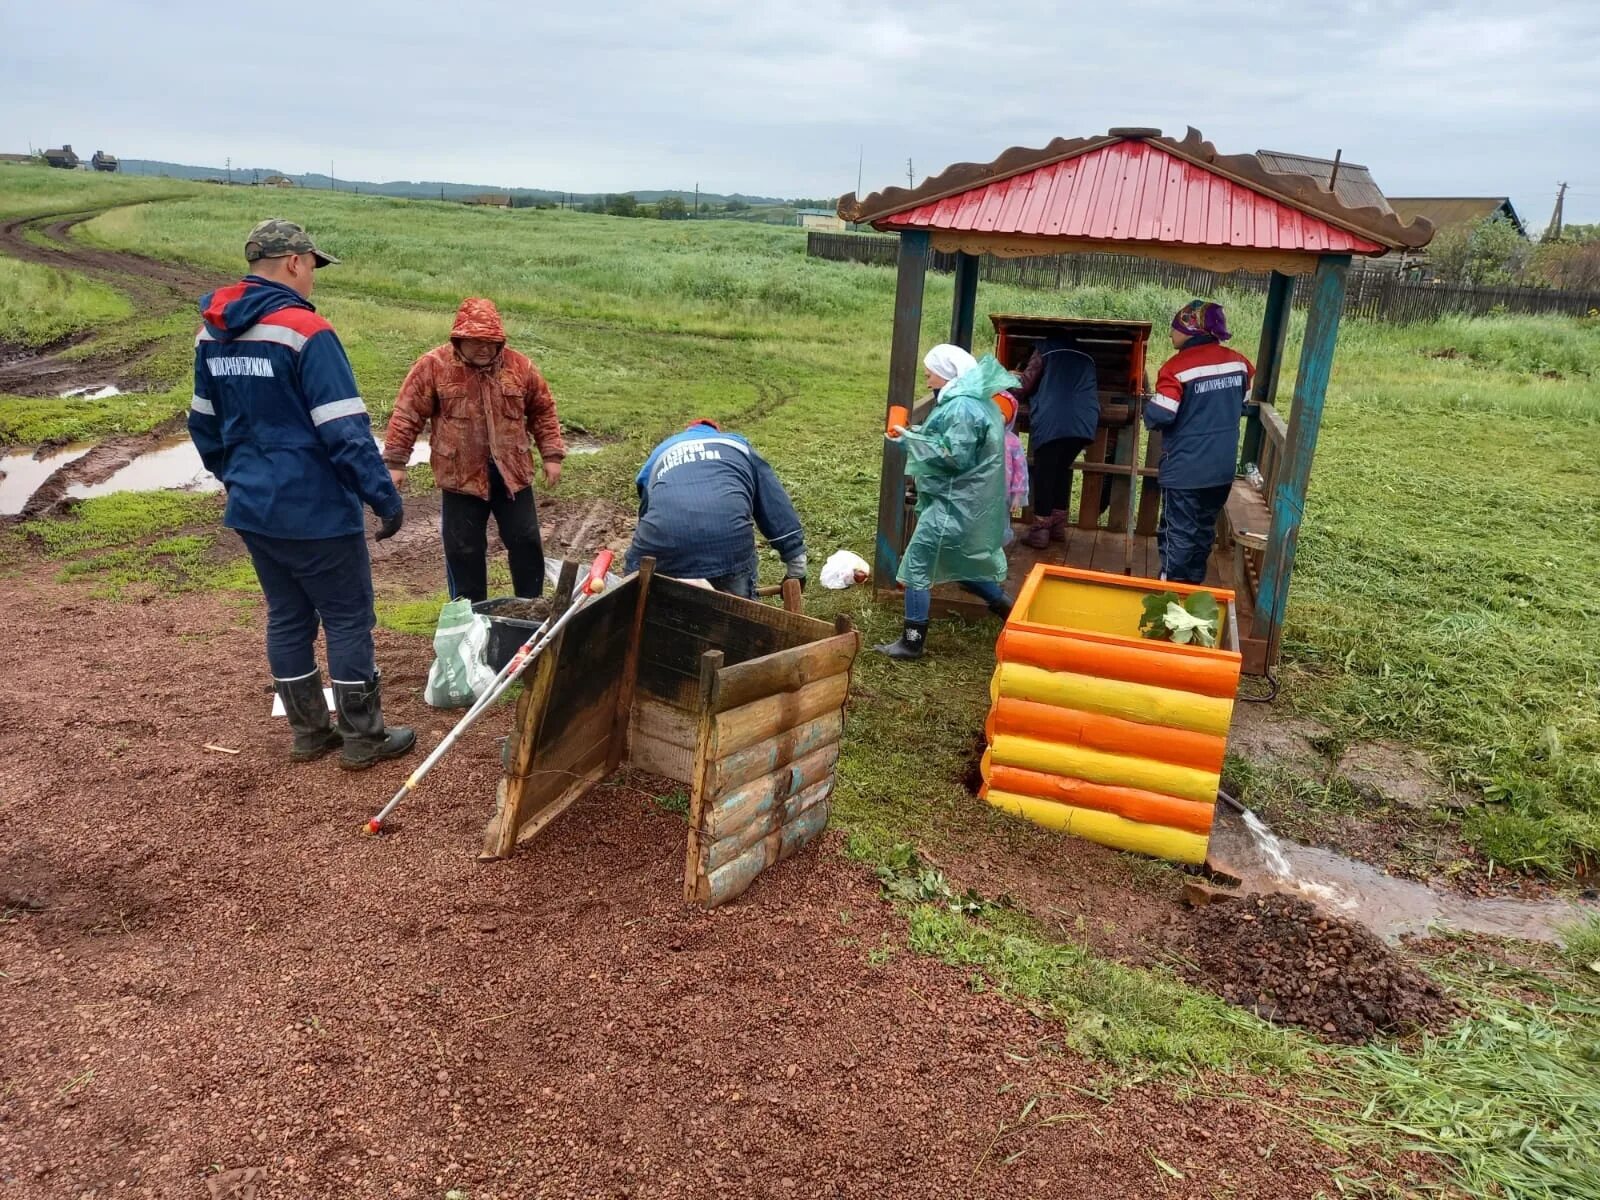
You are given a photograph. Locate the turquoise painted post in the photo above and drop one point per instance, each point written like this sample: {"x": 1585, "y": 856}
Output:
{"x": 1274, "y": 328}
{"x": 1294, "y": 472}
{"x": 964, "y": 310}
{"x": 915, "y": 249}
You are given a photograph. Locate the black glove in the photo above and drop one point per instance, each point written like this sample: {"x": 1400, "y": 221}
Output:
{"x": 389, "y": 526}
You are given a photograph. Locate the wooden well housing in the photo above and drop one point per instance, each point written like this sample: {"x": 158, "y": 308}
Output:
{"x": 741, "y": 702}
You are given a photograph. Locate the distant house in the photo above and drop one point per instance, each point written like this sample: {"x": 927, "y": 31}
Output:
{"x": 19, "y": 159}
{"x": 817, "y": 218}
{"x": 63, "y": 158}
{"x": 489, "y": 200}
{"x": 1447, "y": 212}
{"x": 103, "y": 161}
{"x": 277, "y": 181}
{"x": 1353, "y": 184}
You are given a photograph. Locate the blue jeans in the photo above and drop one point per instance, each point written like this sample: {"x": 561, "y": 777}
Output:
{"x": 1187, "y": 530}
{"x": 307, "y": 581}
{"x": 919, "y": 601}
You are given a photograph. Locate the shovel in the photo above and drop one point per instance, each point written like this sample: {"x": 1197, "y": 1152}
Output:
{"x": 509, "y": 674}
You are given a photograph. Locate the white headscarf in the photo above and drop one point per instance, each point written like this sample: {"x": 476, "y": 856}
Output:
{"x": 949, "y": 362}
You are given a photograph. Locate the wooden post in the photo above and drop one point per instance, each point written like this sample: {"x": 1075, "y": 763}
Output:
{"x": 705, "y": 756}
{"x": 1294, "y": 472}
{"x": 532, "y": 706}
{"x": 964, "y": 310}
{"x": 630, "y": 671}
{"x": 1269, "y": 358}
{"x": 913, "y": 272}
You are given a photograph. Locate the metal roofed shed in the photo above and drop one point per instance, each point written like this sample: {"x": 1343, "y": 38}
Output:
{"x": 1445, "y": 212}
{"x": 1134, "y": 191}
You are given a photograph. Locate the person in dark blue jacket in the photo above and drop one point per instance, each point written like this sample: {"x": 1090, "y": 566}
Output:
{"x": 1062, "y": 392}
{"x": 702, "y": 495}
{"x": 277, "y": 417}
{"x": 1198, "y": 404}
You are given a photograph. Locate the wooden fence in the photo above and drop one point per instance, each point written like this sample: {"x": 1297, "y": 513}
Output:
{"x": 1375, "y": 294}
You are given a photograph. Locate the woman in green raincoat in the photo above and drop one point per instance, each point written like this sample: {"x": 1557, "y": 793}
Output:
{"x": 958, "y": 459}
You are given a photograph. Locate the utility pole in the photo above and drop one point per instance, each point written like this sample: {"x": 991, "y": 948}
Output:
{"x": 697, "y": 197}
{"x": 1553, "y": 232}
{"x": 228, "y": 166}
{"x": 910, "y": 177}
{"x": 861, "y": 161}
{"x": 330, "y": 175}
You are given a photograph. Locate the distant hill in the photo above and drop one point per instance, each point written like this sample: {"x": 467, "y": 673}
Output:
{"x": 424, "y": 189}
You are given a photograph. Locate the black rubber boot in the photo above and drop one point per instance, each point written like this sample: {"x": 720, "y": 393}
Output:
{"x": 1001, "y": 607}
{"x": 911, "y": 643}
{"x": 307, "y": 709}
{"x": 366, "y": 740}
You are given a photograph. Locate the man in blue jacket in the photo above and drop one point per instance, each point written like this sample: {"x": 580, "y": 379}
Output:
{"x": 1198, "y": 403}
{"x": 277, "y": 417}
{"x": 702, "y": 495}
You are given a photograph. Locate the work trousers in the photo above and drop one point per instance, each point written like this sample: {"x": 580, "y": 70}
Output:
{"x": 464, "y": 530}
{"x": 326, "y": 580}
{"x": 1050, "y": 474}
{"x": 1187, "y": 530}
{"x": 919, "y": 601}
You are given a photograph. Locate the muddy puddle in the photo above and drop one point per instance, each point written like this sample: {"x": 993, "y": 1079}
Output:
{"x": 92, "y": 391}
{"x": 21, "y": 473}
{"x": 171, "y": 465}
{"x": 1245, "y": 849}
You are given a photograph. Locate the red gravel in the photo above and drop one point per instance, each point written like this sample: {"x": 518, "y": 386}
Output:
{"x": 207, "y": 968}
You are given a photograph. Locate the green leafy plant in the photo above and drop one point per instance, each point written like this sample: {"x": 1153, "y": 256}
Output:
{"x": 1168, "y": 618}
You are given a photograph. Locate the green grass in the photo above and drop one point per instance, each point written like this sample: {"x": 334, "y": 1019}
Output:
{"x": 40, "y": 305}
{"x": 36, "y": 191}
{"x": 1506, "y": 1100}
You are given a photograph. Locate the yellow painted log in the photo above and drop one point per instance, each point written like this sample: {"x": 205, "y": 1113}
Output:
{"x": 1117, "y": 770}
{"x": 1104, "y": 828}
{"x": 1115, "y": 698}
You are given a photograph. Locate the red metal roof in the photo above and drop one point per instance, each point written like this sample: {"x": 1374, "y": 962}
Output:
{"x": 1132, "y": 191}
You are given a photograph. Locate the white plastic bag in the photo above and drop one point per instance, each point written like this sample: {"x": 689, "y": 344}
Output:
{"x": 843, "y": 570}
{"x": 458, "y": 675}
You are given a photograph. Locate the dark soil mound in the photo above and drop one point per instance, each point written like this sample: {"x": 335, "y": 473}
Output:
{"x": 518, "y": 609}
{"x": 1292, "y": 963}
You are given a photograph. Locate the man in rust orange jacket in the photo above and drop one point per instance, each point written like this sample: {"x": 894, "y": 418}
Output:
{"x": 483, "y": 400}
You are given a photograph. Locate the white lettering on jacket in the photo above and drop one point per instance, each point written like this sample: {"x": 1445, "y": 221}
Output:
{"x": 240, "y": 366}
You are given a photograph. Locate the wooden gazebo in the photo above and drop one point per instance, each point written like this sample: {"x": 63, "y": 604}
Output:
{"x": 1135, "y": 192}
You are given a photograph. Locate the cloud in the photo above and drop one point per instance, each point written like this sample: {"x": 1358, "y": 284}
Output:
{"x": 1437, "y": 97}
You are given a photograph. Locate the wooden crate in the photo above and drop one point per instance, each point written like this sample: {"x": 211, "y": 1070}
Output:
{"x": 741, "y": 702}
{"x": 1100, "y": 732}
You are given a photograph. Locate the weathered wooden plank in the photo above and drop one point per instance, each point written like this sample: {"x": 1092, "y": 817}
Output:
{"x": 532, "y": 706}
{"x": 728, "y": 813}
{"x": 674, "y": 602}
{"x": 661, "y": 758}
{"x": 574, "y": 743}
{"x": 729, "y": 846}
{"x": 735, "y": 878}
{"x": 559, "y": 804}
{"x": 763, "y": 758}
{"x": 630, "y": 667}
{"x": 787, "y": 670}
{"x": 694, "y": 872}
{"x": 761, "y": 720}
{"x": 1093, "y": 481}
{"x": 665, "y": 722}
{"x": 904, "y": 359}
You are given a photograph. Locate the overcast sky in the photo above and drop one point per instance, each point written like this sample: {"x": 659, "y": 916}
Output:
{"x": 1465, "y": 98}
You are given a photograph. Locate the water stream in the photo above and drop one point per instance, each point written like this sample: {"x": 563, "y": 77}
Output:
{"x": 1243, "y": 847}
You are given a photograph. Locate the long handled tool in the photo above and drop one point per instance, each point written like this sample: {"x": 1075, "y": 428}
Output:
{"x": 526, "y": 653}
{"x": 1135, "y": 481}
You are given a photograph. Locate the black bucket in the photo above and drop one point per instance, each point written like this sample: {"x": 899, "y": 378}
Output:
{"x": 506, "y": 634}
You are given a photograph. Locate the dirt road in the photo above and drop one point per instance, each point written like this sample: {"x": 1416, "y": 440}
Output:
{"x": 206, "y": 968}
{"x": 155, "y": 287}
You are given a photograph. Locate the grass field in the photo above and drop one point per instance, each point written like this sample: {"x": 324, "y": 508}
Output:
{"x": 1446, "y": 586}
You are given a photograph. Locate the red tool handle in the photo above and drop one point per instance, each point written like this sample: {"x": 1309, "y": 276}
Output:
{"x": 596, "y": 583}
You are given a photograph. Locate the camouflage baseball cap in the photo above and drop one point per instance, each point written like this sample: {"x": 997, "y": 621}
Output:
{"x": 277, "y": 238}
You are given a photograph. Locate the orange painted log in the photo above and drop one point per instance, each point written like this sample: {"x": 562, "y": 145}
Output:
{"x": 1113, "y": 735}
{"x": 1166, "y": 667}
{"x": 1133, "y": 804}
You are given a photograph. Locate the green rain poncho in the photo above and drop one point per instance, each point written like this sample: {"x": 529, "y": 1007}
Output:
{"x": 958, "y": 459}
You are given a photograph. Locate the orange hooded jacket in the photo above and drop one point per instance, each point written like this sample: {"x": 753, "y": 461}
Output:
{"x": 478, "y": 414}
